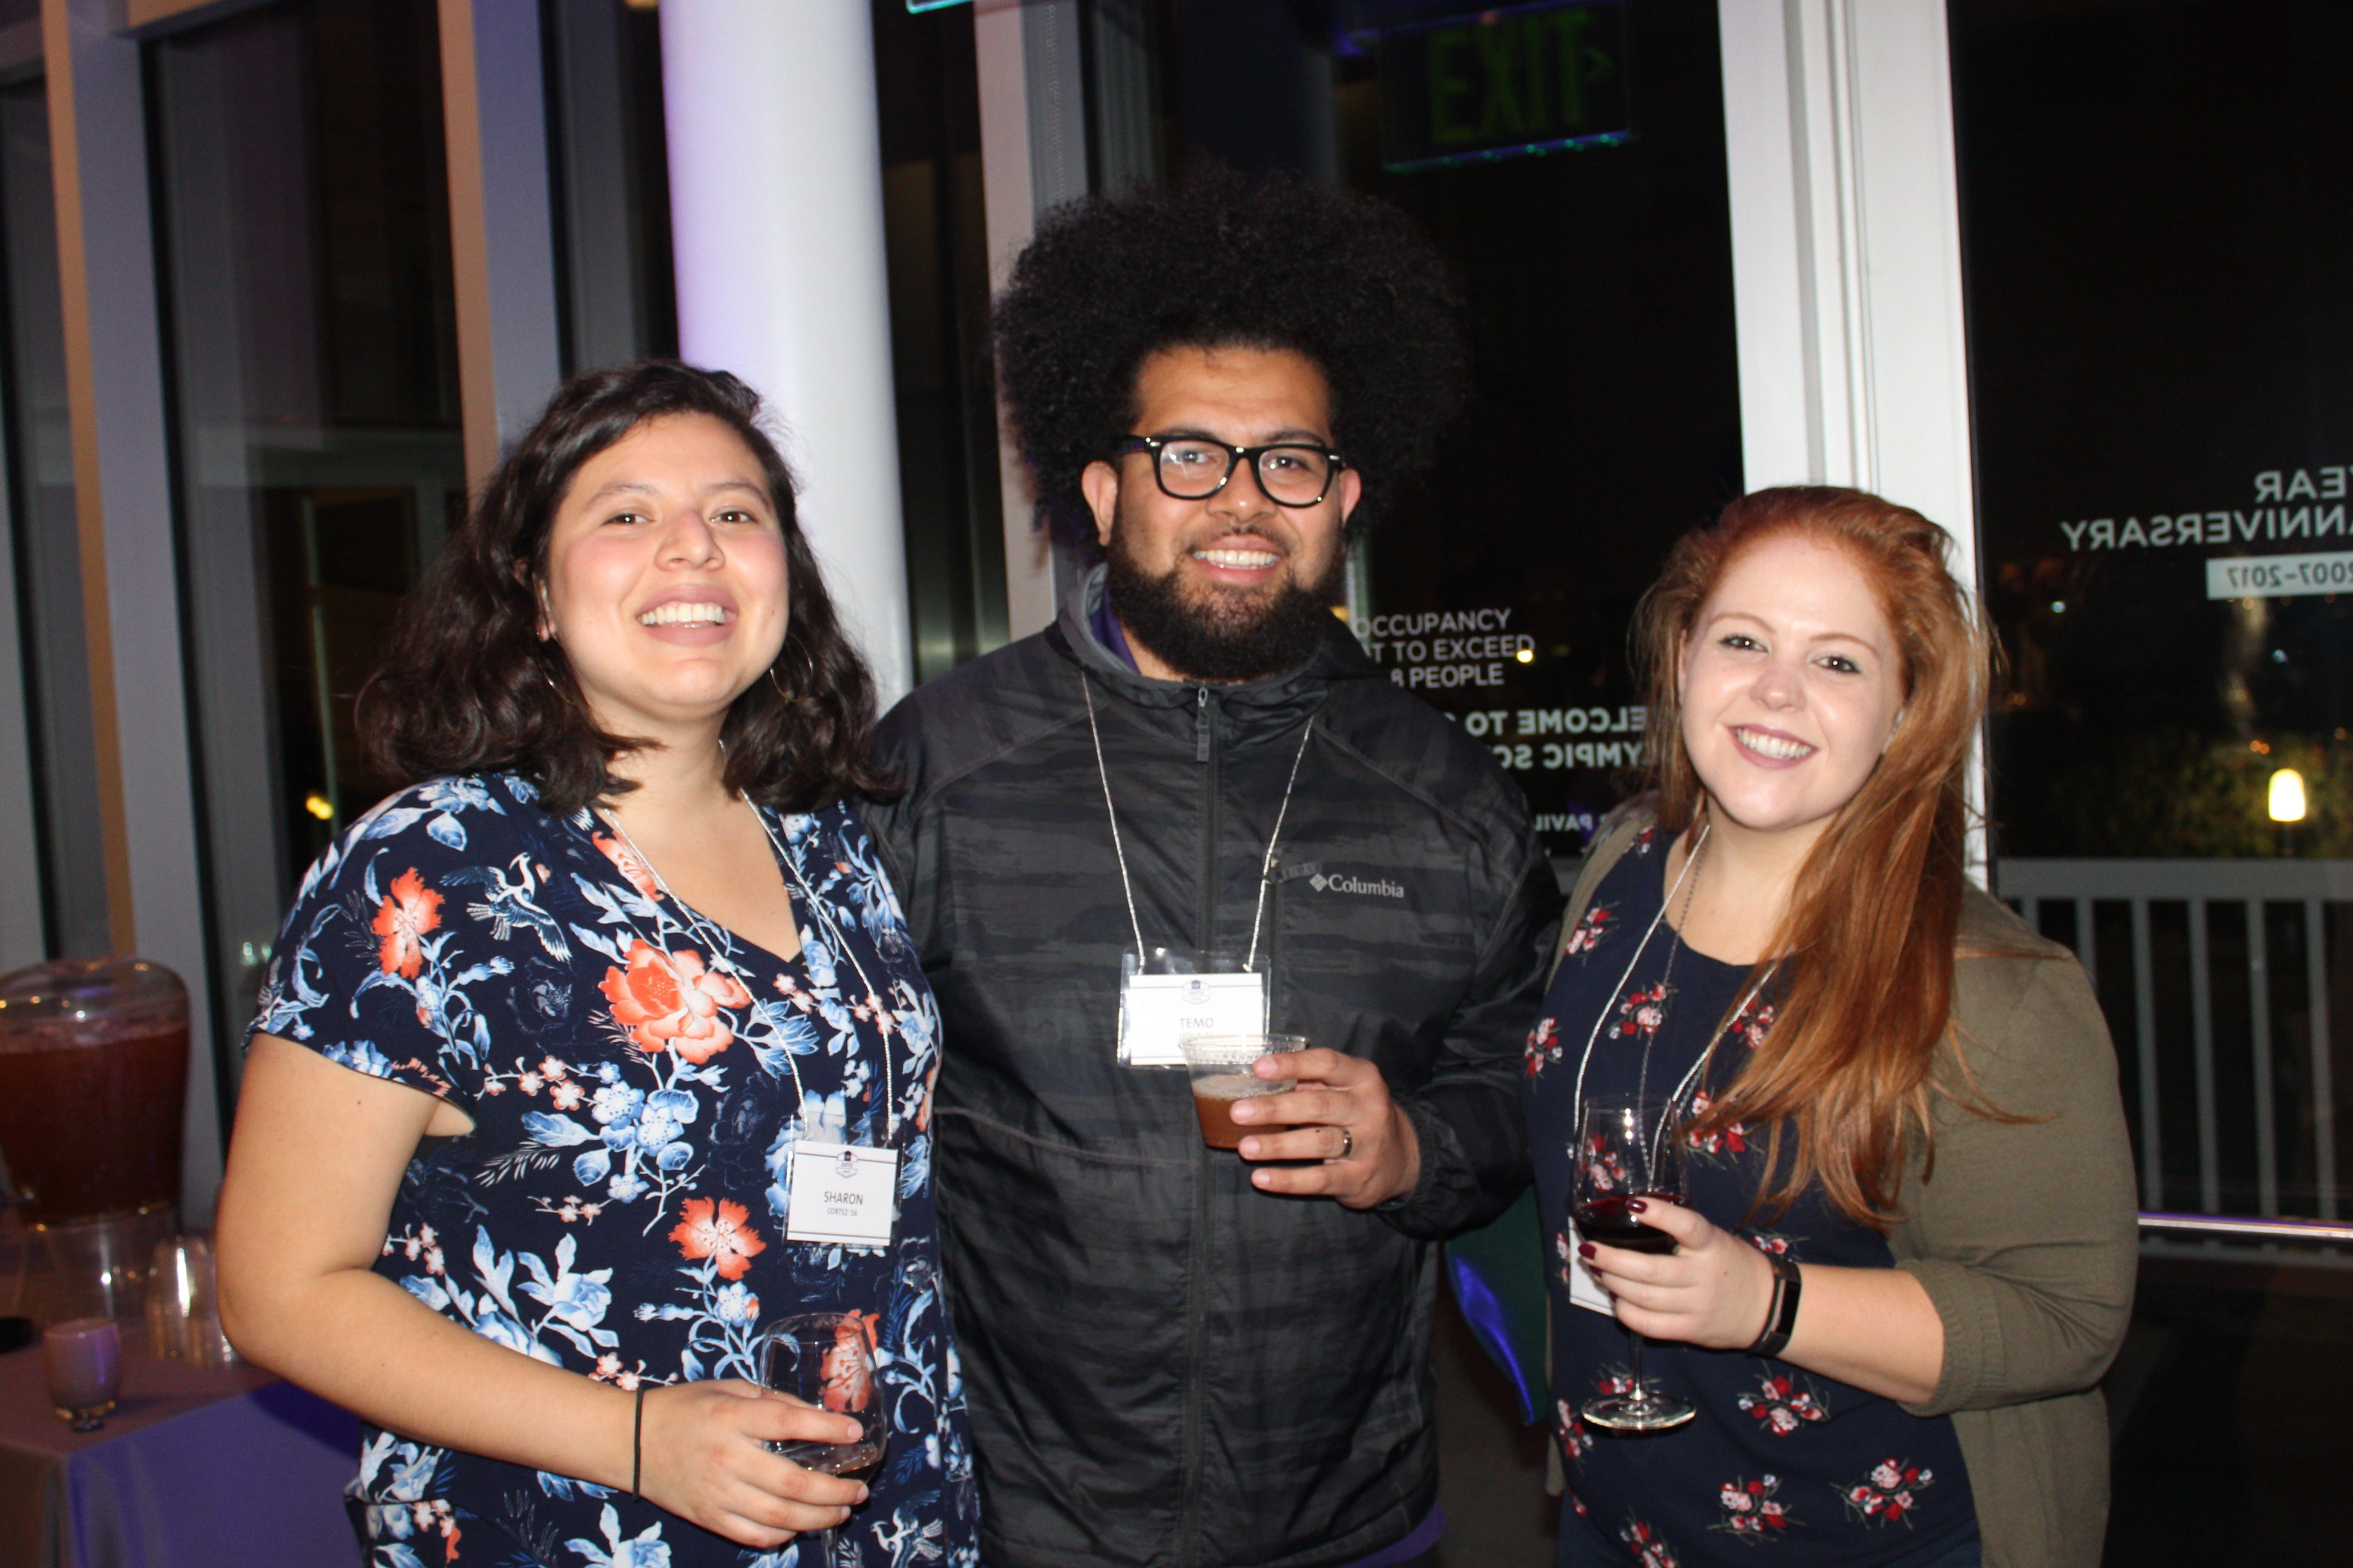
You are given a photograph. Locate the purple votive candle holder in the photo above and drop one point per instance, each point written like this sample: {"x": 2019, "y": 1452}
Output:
{"x": 83, "y": 1359}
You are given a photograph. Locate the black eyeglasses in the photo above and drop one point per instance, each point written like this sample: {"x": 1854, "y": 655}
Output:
{"x": 1193, "y": 468}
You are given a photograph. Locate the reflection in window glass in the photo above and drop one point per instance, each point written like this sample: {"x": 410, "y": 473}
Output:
{"x": 47, "y": 557}
{"x": 306, "y": 265}
{"x": 1579, "y": 190}
{"x": 936, "y": 232}
{"x": 2161, "y": 314}
{"x": 2160, "y": 260}
{"x": 610, "y": 181}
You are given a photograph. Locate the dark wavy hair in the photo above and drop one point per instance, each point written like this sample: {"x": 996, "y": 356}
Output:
{"x": 467, "y": 684}
{"x": 1265, "y": 261}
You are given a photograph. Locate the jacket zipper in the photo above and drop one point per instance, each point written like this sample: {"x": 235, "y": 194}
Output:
{"x": 1195, "y": 1312}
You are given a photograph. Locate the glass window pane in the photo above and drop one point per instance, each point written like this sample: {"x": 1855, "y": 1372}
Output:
{"x": 1568, "y": 161}
{"x": 936, "y": 235}
{"x": 47, "y": 547}
{"x": 2160, "y": 309}
{"x": 610, "y": 181}
{"x": 307, "y": 283}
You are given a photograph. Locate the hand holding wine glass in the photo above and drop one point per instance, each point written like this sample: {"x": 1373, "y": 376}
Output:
{"x": 1630, "y": 1150}
{"x": 1713, "y": 1288}
{"x": 827, "y": 1359}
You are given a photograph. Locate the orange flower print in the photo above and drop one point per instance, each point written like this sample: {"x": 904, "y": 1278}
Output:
{"x": 629, "y": 863}
{"x": 848, "y": 1365}
{"x": 722, "y": 1237}
{"x": 401, "y": 923}
{"x": 670, "y": 1002}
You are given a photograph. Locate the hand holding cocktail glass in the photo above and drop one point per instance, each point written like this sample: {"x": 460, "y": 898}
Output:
{"x": 1288, "y": 1101}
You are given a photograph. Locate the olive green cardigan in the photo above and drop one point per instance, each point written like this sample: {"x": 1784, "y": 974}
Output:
{"x": 2023, "y": 1233}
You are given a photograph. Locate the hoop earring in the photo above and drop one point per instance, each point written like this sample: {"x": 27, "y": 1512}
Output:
{"x": 808, "y": 665}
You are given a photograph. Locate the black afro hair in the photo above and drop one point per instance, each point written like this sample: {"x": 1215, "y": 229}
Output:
{"x": 1267, "y": 260}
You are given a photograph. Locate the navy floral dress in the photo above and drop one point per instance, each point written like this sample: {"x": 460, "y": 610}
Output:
{"x": 1781, "y": 1465}
{"x": 618, "y": 1209}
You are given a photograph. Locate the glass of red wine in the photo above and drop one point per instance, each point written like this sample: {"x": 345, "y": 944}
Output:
{"x": 1628, "y": 1149}
{"x": 827, "y": 1359}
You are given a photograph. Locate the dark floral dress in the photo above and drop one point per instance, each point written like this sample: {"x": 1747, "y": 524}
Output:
{"x": 1779, "y": 1464}
{"x": 618, "y": 1208}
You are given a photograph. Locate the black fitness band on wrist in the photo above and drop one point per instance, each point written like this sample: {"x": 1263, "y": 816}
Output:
{"x": 1781, "y": 1317}
{"x": 638, "y": 1442}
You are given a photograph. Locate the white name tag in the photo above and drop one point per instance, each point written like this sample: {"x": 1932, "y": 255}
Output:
{"x": 843, "y": 1194}
{"x": 1585, "y": 1290}
{"x": 1158, "y": 1011}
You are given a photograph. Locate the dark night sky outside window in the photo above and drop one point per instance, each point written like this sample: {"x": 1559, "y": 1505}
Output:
{"x": 2160, "y": 290}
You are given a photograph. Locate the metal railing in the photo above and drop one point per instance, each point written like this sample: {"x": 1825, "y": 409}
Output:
{"x": 2307, "y": 887}
{"x": 2300, "y": 1232}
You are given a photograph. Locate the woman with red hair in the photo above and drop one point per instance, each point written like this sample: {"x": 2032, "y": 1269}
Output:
{"x": 1907, "y": 1254}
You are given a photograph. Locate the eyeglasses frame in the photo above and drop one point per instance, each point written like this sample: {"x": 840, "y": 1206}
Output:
{"x": 1234, "y": 456}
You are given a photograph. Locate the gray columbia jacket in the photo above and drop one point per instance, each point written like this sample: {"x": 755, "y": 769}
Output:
{"x": 1165, "y": 1366}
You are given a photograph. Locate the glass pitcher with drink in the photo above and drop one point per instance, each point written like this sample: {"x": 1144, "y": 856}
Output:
{"x": 93, "y": 1081}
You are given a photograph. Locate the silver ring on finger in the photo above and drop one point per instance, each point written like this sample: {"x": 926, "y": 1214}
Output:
{"x": 1347, "y": 1144}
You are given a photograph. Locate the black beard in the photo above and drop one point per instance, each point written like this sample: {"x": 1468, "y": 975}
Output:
{"x": 1230, "y": 639}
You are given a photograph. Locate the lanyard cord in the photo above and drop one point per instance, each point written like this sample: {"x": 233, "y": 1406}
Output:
{"x": 1576, "y": 1101}
{"x": 721, "y": 941}
{"x": 1266, "y": 866}
{"x": 841, "y": 939}
{"x": 1087, "y": 688}
{"x": 1593, "y": 1035}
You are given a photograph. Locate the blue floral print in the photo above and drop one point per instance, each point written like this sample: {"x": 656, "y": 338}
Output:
{"x": 638, "y": 1078}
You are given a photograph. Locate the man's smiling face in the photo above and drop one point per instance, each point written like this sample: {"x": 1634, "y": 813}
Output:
{"x": 1231, "y": 587}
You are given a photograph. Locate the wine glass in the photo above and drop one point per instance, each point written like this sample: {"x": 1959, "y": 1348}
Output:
{"x": 827, "y": 1359}
{"x": 1628, "y": 1149}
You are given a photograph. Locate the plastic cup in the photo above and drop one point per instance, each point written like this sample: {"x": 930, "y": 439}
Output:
{"x": 1220, "y": 1066}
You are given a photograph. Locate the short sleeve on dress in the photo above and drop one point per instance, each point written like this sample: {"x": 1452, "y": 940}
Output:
{"x": 379, "y": 965}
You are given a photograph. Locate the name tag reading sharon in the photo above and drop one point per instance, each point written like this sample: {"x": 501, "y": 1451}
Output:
{"x": 843, "y": 1194}
{"x": 1158, "y": 1012}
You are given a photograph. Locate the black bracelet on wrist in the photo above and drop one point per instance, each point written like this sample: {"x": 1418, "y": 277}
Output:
{"x": 1781, "y": 1317}
{"x": 638, "y": 1442}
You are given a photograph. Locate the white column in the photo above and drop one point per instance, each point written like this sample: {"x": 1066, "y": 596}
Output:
{"x": 1847, "y": 252}
{"x": 776, "y": 224}
{"x": 1846, "y": 260}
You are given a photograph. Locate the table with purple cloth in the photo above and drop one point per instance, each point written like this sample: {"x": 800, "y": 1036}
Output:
{"x": 196, "y": 1468}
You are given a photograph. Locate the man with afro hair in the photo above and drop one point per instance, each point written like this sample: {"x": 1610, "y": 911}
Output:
{"x": 1177, "y": 1354}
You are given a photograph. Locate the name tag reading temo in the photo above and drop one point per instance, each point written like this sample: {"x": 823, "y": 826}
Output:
{"x": 1158, "y": 1011}
{"x": 843, "y": 1194}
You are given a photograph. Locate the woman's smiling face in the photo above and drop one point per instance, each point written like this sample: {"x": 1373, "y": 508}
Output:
{"x": 1791, "y": 684}
{"x": 666, "y": 576}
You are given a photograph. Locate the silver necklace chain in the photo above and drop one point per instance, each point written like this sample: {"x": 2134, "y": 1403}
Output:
{"x": 1266, "y": 866}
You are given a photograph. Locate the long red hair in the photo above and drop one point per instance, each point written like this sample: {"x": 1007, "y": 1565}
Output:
{"x": 1867, "y": 945}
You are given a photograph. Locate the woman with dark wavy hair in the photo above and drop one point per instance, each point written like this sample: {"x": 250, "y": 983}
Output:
{"x": 566, "y": 1046}
{"x": 1906, "y": 1253}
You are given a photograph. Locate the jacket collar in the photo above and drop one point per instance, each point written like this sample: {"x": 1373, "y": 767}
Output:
{"x": 1278, "y": 702}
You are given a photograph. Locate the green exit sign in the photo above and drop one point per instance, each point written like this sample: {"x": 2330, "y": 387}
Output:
{"x": 1505, "y": 83}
